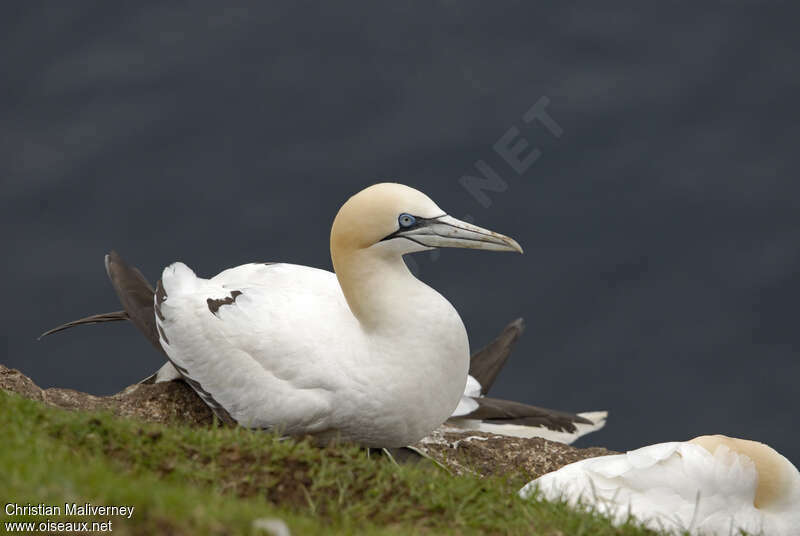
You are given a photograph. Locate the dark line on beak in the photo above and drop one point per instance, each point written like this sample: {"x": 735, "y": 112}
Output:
{"x": 500, "y": 243}
{"x": 417, "y": 241}
{"x": 421, "y": 222}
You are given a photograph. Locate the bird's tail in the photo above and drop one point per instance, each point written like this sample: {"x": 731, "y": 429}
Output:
{"x": 136, "y": 296}
{"x": 598, "y": 419}
{"x": 177, "y": 278}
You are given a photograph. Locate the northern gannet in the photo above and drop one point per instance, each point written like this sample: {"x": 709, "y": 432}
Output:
{"x": 367, "y": 354}
{"x": 711, "y": 485}
{"x": 480, "y": 413}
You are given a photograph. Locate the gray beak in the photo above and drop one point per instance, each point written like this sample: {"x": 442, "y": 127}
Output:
{"x": 448, "y": 232}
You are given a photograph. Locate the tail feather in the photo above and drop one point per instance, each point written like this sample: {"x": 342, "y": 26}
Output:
{"x": 116, "y": 316}
{"x": 136, "y": 295}
{"x": 178, "y": 278}
{"x": 598, "y": 419}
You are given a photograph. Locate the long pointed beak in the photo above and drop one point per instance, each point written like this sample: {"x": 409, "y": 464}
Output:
{"x": 448, "y": 232}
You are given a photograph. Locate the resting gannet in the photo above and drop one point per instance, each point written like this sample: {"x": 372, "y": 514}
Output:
{"x": 711, "y": 485}
{"x": 367, "y": 354}
{"x": 479, "y": 413}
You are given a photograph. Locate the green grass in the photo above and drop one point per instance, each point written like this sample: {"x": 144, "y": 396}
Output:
{"x": 184, "y": 480}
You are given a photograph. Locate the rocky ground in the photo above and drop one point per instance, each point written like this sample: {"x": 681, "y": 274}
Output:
{"x": 486, "y": 454}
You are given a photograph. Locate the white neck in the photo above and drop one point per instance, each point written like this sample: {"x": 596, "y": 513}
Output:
{"x": 378, "y": 286}
{"x": 408, "y": 326}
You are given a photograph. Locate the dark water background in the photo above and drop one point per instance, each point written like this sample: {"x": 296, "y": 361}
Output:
{"x": 661, "y": 226}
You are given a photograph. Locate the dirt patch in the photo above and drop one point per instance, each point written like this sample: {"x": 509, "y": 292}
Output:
{"x": 161, "y": 402}
{"x": 489, "y": 454}
{"x": 461, "y": 452}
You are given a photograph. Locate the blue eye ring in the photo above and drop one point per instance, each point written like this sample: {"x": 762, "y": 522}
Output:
{"x": 406, "y": 220}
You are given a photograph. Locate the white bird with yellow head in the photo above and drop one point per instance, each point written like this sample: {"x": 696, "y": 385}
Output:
{"x": 369, "y": 354}
{"x": 710, "y": 486}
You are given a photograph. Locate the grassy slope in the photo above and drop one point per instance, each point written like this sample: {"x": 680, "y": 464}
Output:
{"x": 217, "y": 481}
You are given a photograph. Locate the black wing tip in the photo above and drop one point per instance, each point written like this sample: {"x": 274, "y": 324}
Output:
{"x": 501, "y": 409}
{"x": 486, "y": 363}
{"x": 56, "y": 329}
{"x": 114, "y": 262}
{"x": 115, "y": 316}
{"x": 112, "y": 257}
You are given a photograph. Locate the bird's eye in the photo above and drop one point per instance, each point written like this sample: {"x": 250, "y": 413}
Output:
{"x": 406, "y": 220}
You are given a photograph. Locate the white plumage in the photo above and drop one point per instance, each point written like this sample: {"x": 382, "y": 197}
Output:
{"x": 368, "y": 354}
{"x": 287, "y": 353}
{"x": 712, "y": 485}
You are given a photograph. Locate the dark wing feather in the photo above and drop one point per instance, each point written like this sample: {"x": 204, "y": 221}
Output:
{"x": 485, "y": 364}
{"x": 116, "y": 316}
{"x": 497, "y": 411}
{"x": 136, "y": 295}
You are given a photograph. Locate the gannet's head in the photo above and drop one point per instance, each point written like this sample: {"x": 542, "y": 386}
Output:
{"x": 395, "y": 218}
{"x": 778, "y": 479}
